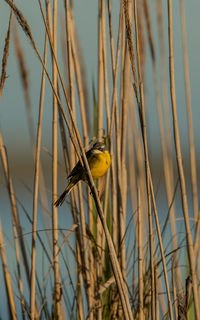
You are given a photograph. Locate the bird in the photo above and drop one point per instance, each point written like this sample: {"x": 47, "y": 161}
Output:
{"x": 99, "y": 161}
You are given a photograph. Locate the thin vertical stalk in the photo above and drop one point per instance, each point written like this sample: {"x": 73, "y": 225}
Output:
{"x": 156, "y": 295}
{"x": 99, "y": 230}
{"x": 10, "y": 295}
{"x": 147, "y": 168}
{"x": 115, "y": 67}
{"x": 174, "y": 288}
{"x": 107, "y": 104}
{"x": 180, "y": 164}
{"x": 57, "y": 291}
{"x": 80, "y": 86}
{"x": 140, "y": 261}
{"x": 15, "y": 222}
{"x": 125, "y": 89}
{"x": 112, "y": 51}
{"x": 131, "y": 49}
{"x": 100, "y": 70}
{"x": 162, "y": 251}
{"x": 5, "y": 56}
{"x": 85, "y": 261}
{"x": 36, "y": 186}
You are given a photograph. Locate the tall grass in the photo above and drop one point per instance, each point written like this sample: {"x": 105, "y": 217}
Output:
{"x": 110, "y": 263}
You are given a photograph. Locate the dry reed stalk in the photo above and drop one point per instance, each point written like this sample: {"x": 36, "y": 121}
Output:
{"x": 68, "y": 21}
{"x": 80, "y": 79}
{"x": 121, "y": 91}
{"x": 57, "y": 286}
{"x": 173, "y": 268}
{"x": 106, "y": 181}
{"x": 121, "y": 218}
{"x": 100, "y": 112}
{"x": 190, "y": 247}
{"x": 107, "y": 105}
{"x": 90, "y": 242}
{"x": 83, "y": 75}
{"x": 84, "y": 254}
{"x": 15, "y": 220}
{"x": 70, "y": 67}
{"x": 36, "y": 186}
{"x": 105, "y": 74}
{"x": 156, "y": 294}
{"x": 106, "y": 213}
{"x": 162, "y": 251}
{"x": 14, "y": 205}
{"x": 78, "y": 245}
{"x": 131, "y": 48}
{"x": 140, "y": 260}
{"x": 147, "y": 168}
{"x": 142, "y": 39}
{"x": 8, "y": 284}
{"x": 114, "y": 117}
{"x": 193, "y": 168}
{"x": 125, "y": 85}
{"x": 100, "y": 68}
{"x": 115, "y": 67}
{"x": 112, "y": 50}
{"x": 136, "y": 156}
{"x": 5, "y": 57}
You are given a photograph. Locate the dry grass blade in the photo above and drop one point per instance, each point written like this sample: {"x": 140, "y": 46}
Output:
{"x": 15, "y": 214}
{"x": 15, "y": 221}
{"x": 10, "y": 295}
{"x": 22, "y": 65}
{"x": 57, "y": 286}
{"x": 23, "y": 68}
{"x": 5, "y": 57}
{"x": 140, "y": 261}
{"x": 147, "y": 167}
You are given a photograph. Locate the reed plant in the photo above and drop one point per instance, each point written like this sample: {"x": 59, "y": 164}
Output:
{"x": 113, "y": 259}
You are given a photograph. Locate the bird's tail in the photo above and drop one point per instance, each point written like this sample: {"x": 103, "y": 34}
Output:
{"x": 62, "y": 197}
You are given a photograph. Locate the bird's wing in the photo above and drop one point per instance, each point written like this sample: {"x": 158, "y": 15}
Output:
{"x": 78, "y": 167}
